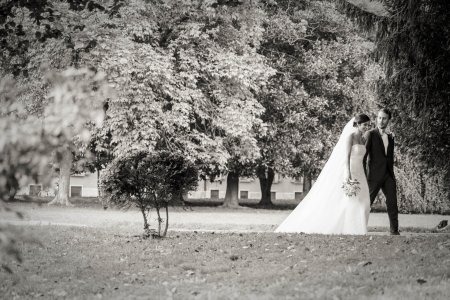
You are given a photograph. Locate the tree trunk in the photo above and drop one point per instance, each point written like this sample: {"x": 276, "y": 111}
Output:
{"x": 12, "y": 185}
{"x": 307, "y": 183}
{"x": 159, "y": 220}
{"x": 422, "y": 185}
{"x": 101, "y": 197}
{"x": 231, "y": 195}
{"x": 144, "y": 215}
{"x": 266, "y": 176}
{"x": 167, "y": 220}
{"x": 65, "y": 164}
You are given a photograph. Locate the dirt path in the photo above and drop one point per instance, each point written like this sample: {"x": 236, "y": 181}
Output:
{"x": 199, "y": 218}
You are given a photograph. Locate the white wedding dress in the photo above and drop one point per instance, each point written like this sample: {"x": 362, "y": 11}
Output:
{"x": 326, "y": 209}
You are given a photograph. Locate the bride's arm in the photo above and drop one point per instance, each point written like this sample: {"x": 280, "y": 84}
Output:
{"x": 368, "y": 142}
{"x": 348, "y": 150}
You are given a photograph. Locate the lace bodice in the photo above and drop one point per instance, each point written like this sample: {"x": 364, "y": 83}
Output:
{"x": 356, "y": 161}
{"x": 358, "y": 150}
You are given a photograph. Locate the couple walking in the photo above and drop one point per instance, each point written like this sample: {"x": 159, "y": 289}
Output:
{"x": 334, "y": 205}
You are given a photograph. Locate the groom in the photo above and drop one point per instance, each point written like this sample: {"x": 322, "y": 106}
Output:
{"x": 379, "y": 159}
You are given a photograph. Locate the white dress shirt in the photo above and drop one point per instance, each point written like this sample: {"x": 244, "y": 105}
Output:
{"x": 385, "y": 139}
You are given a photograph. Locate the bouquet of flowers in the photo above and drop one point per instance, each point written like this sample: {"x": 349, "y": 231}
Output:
{"x": 351, "y": 187}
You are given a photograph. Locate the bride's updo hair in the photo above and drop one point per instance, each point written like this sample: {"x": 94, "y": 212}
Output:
{"x": 361, "y": 118}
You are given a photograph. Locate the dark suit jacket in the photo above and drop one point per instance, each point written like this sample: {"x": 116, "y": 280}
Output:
{"x": 376, "y": 162}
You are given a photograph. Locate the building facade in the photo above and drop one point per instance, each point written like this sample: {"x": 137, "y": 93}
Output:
{"x": 85, "y": 185}
{"x": 283, "y": 188}
{"x": 81, "y": 185}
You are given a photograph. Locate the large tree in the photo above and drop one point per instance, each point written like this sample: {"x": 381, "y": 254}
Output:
{"x": 27, "y": 141}
{"x": 412, "y": 40}
{"x": 324, "y": 72}
{"x": 186, "y": 81}
{"x": 47, "y": 36}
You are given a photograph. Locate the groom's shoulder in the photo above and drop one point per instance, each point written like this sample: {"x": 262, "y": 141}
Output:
{"x": 370, "y": 132}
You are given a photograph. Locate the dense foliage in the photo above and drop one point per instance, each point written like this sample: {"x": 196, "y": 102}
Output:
{"x": 413, "y": 43}
{"x": 38, "y": 37}
{"x": 45, "y": 104}
{"x": 28, "y": 143}
{"x": 324, "y": 75}
{"x": 187, "y": 79}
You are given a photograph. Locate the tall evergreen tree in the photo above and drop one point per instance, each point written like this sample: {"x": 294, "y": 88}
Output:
{"x": 413, "y": 39}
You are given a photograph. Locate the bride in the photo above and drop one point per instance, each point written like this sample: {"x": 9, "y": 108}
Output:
{"x": 327, "y": 208}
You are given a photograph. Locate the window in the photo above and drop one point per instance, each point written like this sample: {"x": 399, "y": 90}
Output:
{"x": 214, "y": 194}
{"x": 35, "y": 189}
{"x": 244, "y": 195}
{"x": 76, "y": 191}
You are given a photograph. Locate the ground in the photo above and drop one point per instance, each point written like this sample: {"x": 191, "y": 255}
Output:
{"x": 66, "y": 256}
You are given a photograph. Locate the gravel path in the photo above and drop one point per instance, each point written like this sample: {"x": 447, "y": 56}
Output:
{"x": 199, "y": 218}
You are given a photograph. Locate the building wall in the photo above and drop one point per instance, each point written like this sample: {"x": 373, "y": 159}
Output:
{"x": 87, "y": 182}
{"x": 284, "y": 188}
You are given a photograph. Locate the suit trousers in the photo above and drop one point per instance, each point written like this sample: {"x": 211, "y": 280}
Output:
{"x": 389, "y": 187}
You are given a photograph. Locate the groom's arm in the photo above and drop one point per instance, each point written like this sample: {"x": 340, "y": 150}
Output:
{"x": 368, "y": 138}
{"x": 391, "y": 154}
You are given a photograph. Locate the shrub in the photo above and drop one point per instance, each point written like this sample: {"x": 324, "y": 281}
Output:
{"x": 149, "y": 180}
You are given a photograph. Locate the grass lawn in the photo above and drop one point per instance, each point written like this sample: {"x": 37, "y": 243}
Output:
{"x": 88, "y": 263}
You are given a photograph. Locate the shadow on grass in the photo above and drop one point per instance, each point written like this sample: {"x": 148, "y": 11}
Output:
{"x": 94, "y": 202}
{"x": 87, "y": 202}
{"x": 280, "y": 205}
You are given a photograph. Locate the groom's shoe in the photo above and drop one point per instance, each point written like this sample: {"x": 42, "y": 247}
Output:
{"x": 396, "y": 232}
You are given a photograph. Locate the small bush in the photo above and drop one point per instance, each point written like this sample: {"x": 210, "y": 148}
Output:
{"x": 149, "y": 180}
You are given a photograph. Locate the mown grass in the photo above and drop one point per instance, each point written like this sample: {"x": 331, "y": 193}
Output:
{"x": 87, "y": 263}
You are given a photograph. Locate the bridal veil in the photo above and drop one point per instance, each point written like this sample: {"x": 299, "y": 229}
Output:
{"x": 324, "y": 205}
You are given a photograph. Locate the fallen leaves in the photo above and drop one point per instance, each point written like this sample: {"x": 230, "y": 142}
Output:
{"x": 364, "y": 263}
{"x": 234, "y": 257}
{"x": 421, "y": 281}
{"x": 225, "y": 262}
